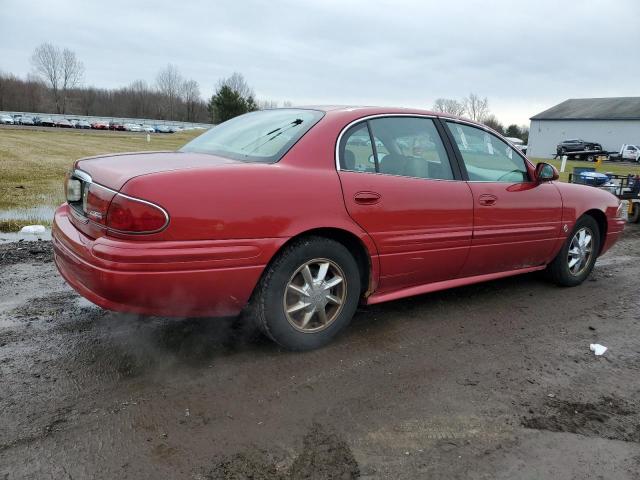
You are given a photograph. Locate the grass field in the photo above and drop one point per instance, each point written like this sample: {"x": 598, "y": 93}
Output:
{"x": 33, "y": 164}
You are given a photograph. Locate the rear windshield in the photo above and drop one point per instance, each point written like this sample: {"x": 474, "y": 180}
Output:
{"x": 263, "y": 136}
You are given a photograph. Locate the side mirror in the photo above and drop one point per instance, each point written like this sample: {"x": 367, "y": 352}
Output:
{"x": 546, "y": 172}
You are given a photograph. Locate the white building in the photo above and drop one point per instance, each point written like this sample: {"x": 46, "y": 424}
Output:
{"x": 607, "y": 121}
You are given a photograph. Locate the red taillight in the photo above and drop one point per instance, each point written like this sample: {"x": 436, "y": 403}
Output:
{"x": 130, "y": 215}
{"x": 95, "y": 202}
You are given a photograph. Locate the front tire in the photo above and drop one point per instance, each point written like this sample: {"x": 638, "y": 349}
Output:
{"x": 576, "y": 259}
{"x": 634, "y": 216}
{"x": 308, "y": 294}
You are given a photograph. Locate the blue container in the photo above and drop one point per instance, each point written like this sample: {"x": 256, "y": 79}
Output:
{"x": 593, "y": 178}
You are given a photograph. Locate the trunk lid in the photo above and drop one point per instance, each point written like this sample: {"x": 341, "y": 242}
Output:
{"x": 113, "y": 171}
{"x": 109, "y": 173}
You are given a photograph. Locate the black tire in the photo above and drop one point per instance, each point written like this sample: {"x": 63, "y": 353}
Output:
{"x": 266, "y": 307}
{"x": 634, "y": 216}
{"x": 558, "y": 269}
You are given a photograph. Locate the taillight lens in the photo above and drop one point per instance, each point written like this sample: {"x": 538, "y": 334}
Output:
{"x": 130, "y": 215}
{"x": 95, "y": 202}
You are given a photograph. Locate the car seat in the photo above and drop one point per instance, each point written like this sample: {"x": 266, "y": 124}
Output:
{"x": 349, "y": 160}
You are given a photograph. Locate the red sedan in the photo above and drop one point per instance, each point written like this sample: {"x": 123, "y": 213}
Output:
{"x": 294, "y": 216}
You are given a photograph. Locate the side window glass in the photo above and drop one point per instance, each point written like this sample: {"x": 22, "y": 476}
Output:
{"x": 411, "y": 147}
{"x": 356, "y": 152}
{"x": 486, "y": 157}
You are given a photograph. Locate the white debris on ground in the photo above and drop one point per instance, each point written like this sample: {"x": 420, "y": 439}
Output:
{"x": 597, "y": 349}
{"x": 34, "y": 229}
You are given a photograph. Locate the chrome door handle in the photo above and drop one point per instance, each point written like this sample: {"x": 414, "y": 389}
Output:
{"x": 487, "y": 200}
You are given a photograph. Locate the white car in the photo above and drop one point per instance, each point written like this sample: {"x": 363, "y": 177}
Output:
{"x": 148, "y": 129}
{"x": 518, "y": 143}
{"x": 132, "y": 127}
{"x": 6, "y": 119}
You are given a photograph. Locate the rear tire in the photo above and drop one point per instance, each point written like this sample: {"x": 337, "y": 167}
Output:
{"x": 576, "y": 259}
{"x": 313, "y": 271}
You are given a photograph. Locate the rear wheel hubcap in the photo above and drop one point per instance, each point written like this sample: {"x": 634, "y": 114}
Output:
{"x": 314, "y": 295}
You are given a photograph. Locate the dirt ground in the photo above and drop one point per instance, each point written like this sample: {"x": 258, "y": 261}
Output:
{"x": 492, "y": 381}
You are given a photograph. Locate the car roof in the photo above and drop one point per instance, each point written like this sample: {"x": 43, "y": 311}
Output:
{"x": 369, "y": 109}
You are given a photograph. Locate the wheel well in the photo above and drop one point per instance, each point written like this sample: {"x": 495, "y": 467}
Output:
{"x": 350, "y": 241}
{"x": 601, "y": 220}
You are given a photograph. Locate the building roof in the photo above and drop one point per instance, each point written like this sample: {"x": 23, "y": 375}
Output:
{"x": 613, "y": 108}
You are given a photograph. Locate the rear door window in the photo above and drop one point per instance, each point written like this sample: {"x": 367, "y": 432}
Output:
{"x": 403, "y": 146}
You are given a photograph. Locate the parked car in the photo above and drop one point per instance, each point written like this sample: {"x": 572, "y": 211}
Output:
{"x": 17, "y": 119}
{"x": 148, "y": 129}
{"x": 518, "y": 143}
{"x": 100, "y": 125}
{"x": 26, "y": 120}
{"x": 568, "y": 146}
{"x": 45, "y": 122}
{"x": 63, "y": 123}
{"x": 73, "y": 121}
{"x": 83, "y": 124}
{"x": 132, "y": 127}
{"x": 162, "y": 129}
{"x": 270, "y": 214}
{"x": 116, "y": 126}
{"x": 6, "y": 119}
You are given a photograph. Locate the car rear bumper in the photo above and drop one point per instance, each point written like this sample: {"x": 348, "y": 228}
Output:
{"x": 169, "y": 278}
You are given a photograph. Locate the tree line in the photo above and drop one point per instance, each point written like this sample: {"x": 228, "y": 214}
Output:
{"x": 55, "y": 86}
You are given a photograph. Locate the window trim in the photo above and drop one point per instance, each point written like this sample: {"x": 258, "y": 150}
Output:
{"x": 528, "y": 166}
{"x": 458, "y": 175}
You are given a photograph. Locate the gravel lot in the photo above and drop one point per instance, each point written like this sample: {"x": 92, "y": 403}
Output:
{"x": 492, "y": 381}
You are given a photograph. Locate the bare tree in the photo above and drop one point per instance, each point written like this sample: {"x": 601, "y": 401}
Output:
{"x": 450, "y": 106}
{"x": 87, "y": 100}
{"x": 60, "y": 69}
{"x": 266, "y": 104}
{"x": 141, "y": 98}
{"x": 238, "y": 84}
{"x": 191, "y": 97}
{"x": 492, "y": 121}
{"x": 169, "y": 83}
{"x": 34, "y": 90}
{"x": 46, "y": 63}
{"x": 287, "y": 104}
{"x": 476, "y": 108}
{"x": 72, "y": 73}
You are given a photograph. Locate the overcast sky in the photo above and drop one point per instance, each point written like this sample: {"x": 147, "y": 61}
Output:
{"x": 525, "y": 56}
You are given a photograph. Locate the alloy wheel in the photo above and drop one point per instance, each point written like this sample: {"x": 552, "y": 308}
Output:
{"x": 314, "y": 295}
{"x": 580, "y": 251}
